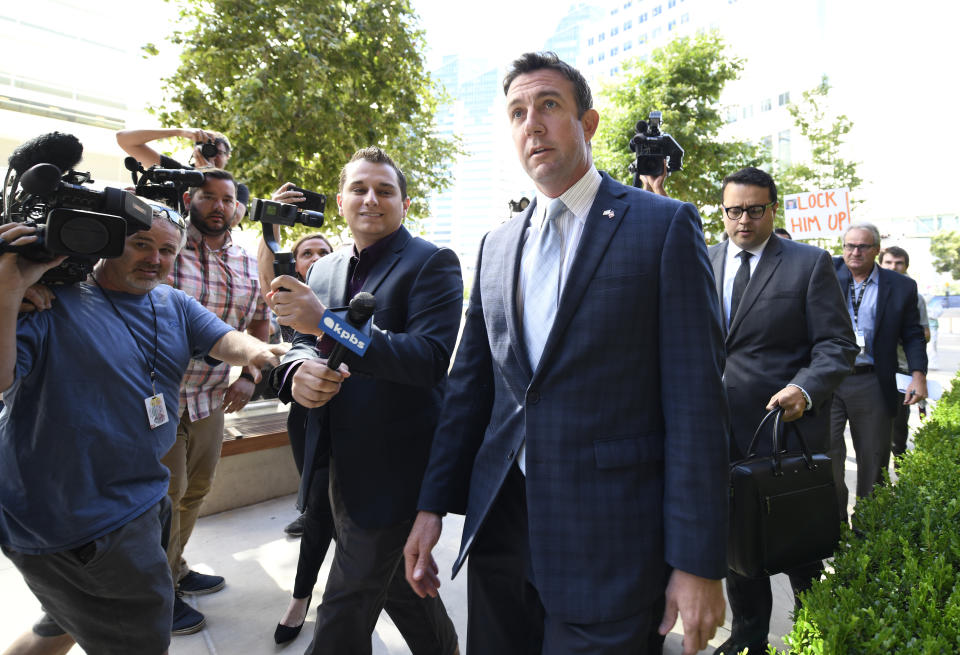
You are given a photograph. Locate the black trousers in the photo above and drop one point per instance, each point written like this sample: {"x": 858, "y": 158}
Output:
{"x": 506, "y": 615}
{"x": 751, "y": 600}
{"x": 366, "y": 577}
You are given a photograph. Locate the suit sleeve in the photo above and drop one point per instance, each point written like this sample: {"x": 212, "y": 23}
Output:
{"x": 694, "y": 408}
{"x": 420, "y": 355}
{"x": 832, "y": 344}
{"x": 466, "y": 412}
{"x": 911, "y": 331}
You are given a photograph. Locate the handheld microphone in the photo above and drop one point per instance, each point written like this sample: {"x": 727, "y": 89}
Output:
{"x": 361, "y": 309}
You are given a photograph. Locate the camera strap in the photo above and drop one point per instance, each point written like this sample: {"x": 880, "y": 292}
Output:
{"x": 156, "y": 409}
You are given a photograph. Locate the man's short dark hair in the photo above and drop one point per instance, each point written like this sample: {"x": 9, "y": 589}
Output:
{"x": 375, "y": 155}
{"x": 781, "y": 232}
{"x": 898, "y": 252}
{"x": 534, "y": 61}
{"x": 215, "y": 174}
{"x": 753, "y": 177}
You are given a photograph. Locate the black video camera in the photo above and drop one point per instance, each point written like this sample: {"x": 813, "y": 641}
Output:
{"x": 73, "y": 220}
{"x": 271, "y": 212}
{"x": 652, "y": 148}
{"x": 166, "y": 185}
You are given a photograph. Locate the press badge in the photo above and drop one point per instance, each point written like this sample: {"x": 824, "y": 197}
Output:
{"x": 861, "y": 340}
{"x": 156, "y": 410}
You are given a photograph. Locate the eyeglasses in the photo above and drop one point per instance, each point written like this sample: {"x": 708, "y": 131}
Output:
{"x": 859, "y": 247}
{"x": 171, "y": 215}
{"x": 753, "y": 211}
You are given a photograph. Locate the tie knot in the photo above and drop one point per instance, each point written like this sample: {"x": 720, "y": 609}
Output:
{"x": 555, "y": 209}
{"x": 744, "y": 256}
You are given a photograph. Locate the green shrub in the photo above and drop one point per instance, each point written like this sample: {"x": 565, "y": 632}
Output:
{"x": 894, "y": 587}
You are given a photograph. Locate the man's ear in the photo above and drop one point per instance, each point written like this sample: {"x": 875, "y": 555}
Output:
{"x": 406, "y": 206}
{"x": 186, "y": 201}
{"x": 590, "y": 120}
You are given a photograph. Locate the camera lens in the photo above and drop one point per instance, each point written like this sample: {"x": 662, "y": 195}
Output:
{"x": 209, "y": 150}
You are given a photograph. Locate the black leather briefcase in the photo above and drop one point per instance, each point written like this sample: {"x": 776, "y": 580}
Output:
{"x": 783, "y": 507}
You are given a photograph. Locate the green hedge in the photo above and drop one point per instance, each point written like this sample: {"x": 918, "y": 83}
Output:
{"x": 894, "y": 587}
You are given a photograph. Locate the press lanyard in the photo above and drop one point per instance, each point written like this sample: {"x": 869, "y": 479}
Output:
{"x": 856, "y": 299}
{"x": 156, "y": 410}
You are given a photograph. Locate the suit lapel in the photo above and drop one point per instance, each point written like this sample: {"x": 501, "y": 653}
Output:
{"x": 769, "y": 261}
{"x": 337, "y": 280}
{"x": 718, "y": 262}
{"x": 597, "y": 233}
{"x": 883, "y": 296}
{"x": 510, "y": 282}
{"x": 386, "y": 262}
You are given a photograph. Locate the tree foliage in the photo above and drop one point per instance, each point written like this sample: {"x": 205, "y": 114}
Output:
{"x": 826, "y": 169}
{"x": 299, "y": 85}
{"x": 945, "y": 248}
{"x": 684, "y": 80}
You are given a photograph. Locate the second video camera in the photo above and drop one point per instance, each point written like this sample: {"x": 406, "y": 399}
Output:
{"x": 309, "y": 212}
{"x": 652, "y": 148}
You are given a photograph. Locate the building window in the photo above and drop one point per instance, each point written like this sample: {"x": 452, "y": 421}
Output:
{"x": 732, "y": 114}
{"x": 784, "y": 99}
{"x": 767, "y": 144}
{"x": 671, "y": 25}
{"x": 614, "y": 11}
{"x": 642, "y": 39}
{"x": 657, "y": 10}
{"x": 748, "y": 112}
{"x": 766, "y": 105}
{"x": 614, "y": 51}
{"x": 614, "y": 70}
{"x": 671, "y": 4}
{"x": 627, "y": 45}
{"x": 656, "y": 33}
{"x": 603, "y": 36}
{"x": 614, "y": 31}
{"x": 590, "y": 61}
{"x": 685, "y": 19}
{"x": 627, "y": 25}
{"x": 783, "y": 147}
{"x": 590, "y": 41}
{"x": 601, "y": 56}
{"x": 628, "y": 4}
{"x": 642, "y": 18}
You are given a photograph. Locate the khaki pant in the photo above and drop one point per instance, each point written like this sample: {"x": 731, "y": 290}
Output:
{"x": 192, "y": 462}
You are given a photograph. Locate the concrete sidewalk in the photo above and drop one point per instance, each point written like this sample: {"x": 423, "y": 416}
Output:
{"x": 248, "y": 547}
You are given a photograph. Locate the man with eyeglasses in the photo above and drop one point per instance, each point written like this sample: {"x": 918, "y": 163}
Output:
{"x": 222, "y": 276}
{"x": 882, "y": 305}
{"x": 789, "y": 344}
{"x": 90, "y": 390}
{"x": 134, "y": 143}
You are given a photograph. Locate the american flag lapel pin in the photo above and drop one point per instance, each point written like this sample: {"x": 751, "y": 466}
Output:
{"x": 608, "y": 213}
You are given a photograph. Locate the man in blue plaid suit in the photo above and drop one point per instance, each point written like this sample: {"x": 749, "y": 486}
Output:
{"x": 585, "y": 438}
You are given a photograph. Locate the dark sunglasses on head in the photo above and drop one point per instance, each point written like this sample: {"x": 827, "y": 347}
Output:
{"x": 171, "y": 215}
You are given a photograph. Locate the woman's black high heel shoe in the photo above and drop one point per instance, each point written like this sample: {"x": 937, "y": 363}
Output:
{"x": 285, "y": 633}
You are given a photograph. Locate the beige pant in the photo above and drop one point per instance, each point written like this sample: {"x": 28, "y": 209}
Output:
{"x": 192, "y": 462}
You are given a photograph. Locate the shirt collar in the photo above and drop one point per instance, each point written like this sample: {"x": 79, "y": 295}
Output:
{"x": 578, "y": 198}
{"x": 195, "y": 238}
{"x": 733, "y": 249}
{"x": 377, "y": 249}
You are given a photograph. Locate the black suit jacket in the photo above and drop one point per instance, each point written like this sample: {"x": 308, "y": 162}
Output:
{"x": 897, "y": 321}
{"x": 791, "y": 328}
{"x": 380, "y": 426}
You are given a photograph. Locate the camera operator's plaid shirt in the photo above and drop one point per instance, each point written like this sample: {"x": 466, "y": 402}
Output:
{"x": 225, "y": 282}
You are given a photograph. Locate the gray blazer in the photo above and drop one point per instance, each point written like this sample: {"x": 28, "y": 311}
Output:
{"x": 791, "y": 327}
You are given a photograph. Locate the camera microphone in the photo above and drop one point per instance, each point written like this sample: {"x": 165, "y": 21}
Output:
{"x": 61, "y": 150}
{"x": 40, "y": 179}
{"x": 361, "y": 309}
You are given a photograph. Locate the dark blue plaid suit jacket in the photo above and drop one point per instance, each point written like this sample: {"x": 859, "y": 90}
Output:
{"x": 624, "y": 418}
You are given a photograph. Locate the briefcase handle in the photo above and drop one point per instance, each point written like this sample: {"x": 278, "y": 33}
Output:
{"x": 777, "y": 442}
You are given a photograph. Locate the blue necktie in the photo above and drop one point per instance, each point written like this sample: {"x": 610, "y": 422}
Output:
{"x": 542, "y": 293}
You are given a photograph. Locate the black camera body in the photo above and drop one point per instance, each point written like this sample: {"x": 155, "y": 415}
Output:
{"x": 652, "y": 147}
{"x": 272, "y": 212}
{"x": 73, "y": 220}
{"x": 165, "y": 185}
{"x": 208, "y": 150}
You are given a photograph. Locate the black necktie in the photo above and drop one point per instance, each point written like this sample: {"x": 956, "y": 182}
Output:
{"x": 740, "y": 282}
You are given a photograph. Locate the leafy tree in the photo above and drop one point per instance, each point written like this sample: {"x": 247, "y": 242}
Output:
{"x": 684, "y": 80}
{"x": 826, "y": 168}
{"x": 299, "y": 85}
{"x": 945, "y": 248}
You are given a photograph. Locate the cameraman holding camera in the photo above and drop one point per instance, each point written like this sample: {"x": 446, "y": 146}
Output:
{"x": 83, "y": 506}
{"x": 217, "y": 146}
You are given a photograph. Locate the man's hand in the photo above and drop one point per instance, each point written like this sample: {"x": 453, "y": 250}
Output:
{"x": 286, "y": 193}
{"x": 699, "y": 601}
{"x": 916, "y": 390}
{"x": 654, "y": 183}
{"x": 18, "y": 274}
{"x": 314, "y": 383}
{"x": 237, "y": 395}
{"x": 269, "y": 356}
{"x": 792, "y": 401}
{"x": 420, "y": 567}
{"x": 296, "y": 305}
{"x": 37, "y": 298}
